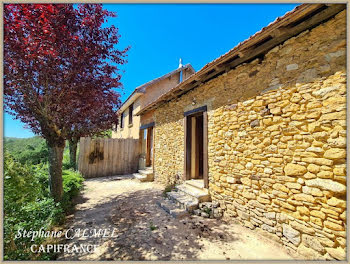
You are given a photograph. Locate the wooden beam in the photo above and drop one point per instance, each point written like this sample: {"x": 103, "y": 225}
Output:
{"x": 205, "y": 150}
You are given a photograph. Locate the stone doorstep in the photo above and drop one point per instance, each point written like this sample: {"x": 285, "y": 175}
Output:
{"x": 146, "y": 172}
{"x": 199, "y": 184}
{"x": 201, "y": 194}
{"x": 172, "y": 209}
{"x": 140, "y": 177}
{"x": 183, "y": 200}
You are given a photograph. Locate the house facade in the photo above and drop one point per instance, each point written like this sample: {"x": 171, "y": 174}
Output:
{"x": 264, "y": 128}
{"x": 136, "y": 127}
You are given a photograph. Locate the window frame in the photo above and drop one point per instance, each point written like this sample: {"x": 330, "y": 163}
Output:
{"x": 131, "y": 110}
{"x": 122, "y": 120}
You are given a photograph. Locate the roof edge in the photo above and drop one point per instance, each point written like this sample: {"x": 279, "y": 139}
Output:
{"x": 141, "y": 89}
{"x": 294, "y": 22}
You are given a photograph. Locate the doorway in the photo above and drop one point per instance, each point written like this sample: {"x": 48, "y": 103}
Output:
{"x": 146, "y": 142}
{"x": 149, "y": 146}
{"x": 196, "y": 149}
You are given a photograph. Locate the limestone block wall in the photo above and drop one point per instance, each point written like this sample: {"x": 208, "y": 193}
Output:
{"x": 276, "y": 141}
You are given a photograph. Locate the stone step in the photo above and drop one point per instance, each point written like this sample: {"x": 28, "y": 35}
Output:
{"x": 202, "y": 195}
{"x": 171, "y": 208}
{"x": 183, "y": 200}
{"x": 146, "y": 172}
{"x": 199, "y": 184}
{"x": 140, "y": 177}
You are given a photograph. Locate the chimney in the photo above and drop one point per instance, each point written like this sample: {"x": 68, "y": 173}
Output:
{"x": 180, "y": 63}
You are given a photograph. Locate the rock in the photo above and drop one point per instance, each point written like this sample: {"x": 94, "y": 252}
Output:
{"x": 333, "y": 226}
{"x": 332, "y": 55}
{"x": 343, "y": 216}
{"x": 302, "y": 228}
{"x": 270, "y": 215}
{"x": 231, "y": 180}
{"x": 197, "y": 212}
{"x": 255, "y": 123}
{"x": 292, "y": 67}
{"x": 263, "y": 200}
{"x": 312, "y": 191}
{"x": 308, "y": 253}
{"x": 287, "y": 206}
{"x": 336, "y": 202}
{"x": 215, "y": 204}
{"x": 275, "y": 111}
{"x": 248, "y": 102}
{"x": 337, "y": 142}
{"x": 326, "y": 242}
{"x": 304, "y": 197}
{"x": 204, "y": 214}
{"x": 315, "y": 149}
{"x": 337, "y": 253}
{"x": 334, "y": 116}
{"x": 303, "y": 210}
{"x": 292, "y": 169}
{"x": 312, "y": 242}
{"x": 335, "y": 153}
{"x": 325, "y": 175}
{"x": 316, "y": 221}
{"x": 246, "y": 181}
{"x": 296, "y": 97}
{"x": 291, "y": 234}
{"x": 280, "y": 187}
{"x": 313, "y": 168}
{"x": 318, "y": 161}
{"x": 243, "y": 215}
{"x": 282, "y": 218}
{"x": 318, "y": 214}
{"x": 326, "y": 184}
{"x": 248, "y": 224}
{"x": 268, "y": 171}
{"x": 248, "y": 195}
{"x": 293, "y": 185}
{"x": 268, "y": 228}
{"x": 339, "y": 171}
{"x": 249, "y": 165}
{"x": 322, "y": 92}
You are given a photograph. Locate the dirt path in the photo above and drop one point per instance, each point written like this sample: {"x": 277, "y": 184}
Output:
{"x": 146, "y": 232}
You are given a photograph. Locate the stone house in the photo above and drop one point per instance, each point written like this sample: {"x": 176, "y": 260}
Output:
{"x": 136, "y": 127}
{"x": 262, "y": 130}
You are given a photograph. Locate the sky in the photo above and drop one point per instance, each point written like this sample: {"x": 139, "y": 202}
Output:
{"x": 160, "y": 34}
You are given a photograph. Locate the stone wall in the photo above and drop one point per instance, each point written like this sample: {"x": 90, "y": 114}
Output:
{"x": 276, "y": 141}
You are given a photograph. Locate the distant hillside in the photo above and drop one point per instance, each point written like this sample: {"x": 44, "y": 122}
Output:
{"x": 27, "y": 150}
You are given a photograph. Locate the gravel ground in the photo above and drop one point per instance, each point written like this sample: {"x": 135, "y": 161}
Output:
{"x": 143, "y": 231}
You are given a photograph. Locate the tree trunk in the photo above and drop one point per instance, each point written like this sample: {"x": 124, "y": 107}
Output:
{"x": 73, "y": 144}
{"x": 55, "y": 170}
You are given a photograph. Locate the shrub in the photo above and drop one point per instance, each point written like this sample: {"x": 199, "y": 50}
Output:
{"x": 25, "y": 207}
{"x": 72, "y": 184}
{"x": 29, "y": 206}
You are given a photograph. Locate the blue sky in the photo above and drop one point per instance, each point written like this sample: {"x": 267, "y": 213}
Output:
{"x": 160, "y": 34}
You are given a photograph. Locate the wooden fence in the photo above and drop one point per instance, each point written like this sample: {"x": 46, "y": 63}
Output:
{"x": 107, "y": 156}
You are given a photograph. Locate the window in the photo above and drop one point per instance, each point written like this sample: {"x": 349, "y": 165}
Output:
{"x": 131, "y": 109}
{"x": 115, "y": 126}
{"x": 121, "y": 120}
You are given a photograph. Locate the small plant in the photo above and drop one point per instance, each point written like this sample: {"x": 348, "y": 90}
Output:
{"x": 207, "y": 210}
{"x": 168, "y": 188}
{"x": 152, "y": 226}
